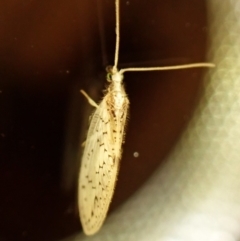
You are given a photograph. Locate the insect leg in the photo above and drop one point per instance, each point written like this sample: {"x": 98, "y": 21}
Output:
{"x": 89, "y": 99}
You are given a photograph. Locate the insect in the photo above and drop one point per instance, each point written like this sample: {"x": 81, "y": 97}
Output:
{"x": 103, "y": 146}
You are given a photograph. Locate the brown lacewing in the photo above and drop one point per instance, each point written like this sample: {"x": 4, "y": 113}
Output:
{"x": 103, "y": 146}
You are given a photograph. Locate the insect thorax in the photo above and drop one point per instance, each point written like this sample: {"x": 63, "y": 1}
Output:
{"x": 117, "y": 96}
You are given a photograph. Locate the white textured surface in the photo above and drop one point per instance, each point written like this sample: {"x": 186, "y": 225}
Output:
{"x": 196, "y": 195}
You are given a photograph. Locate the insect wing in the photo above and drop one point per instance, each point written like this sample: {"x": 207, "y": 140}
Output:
{"x": 99, "y": 169}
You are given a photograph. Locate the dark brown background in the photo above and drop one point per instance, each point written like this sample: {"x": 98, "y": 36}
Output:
{"x": 50, "y": 49}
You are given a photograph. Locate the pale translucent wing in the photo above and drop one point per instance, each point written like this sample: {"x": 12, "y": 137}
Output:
{"x": 99, "y": 165}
